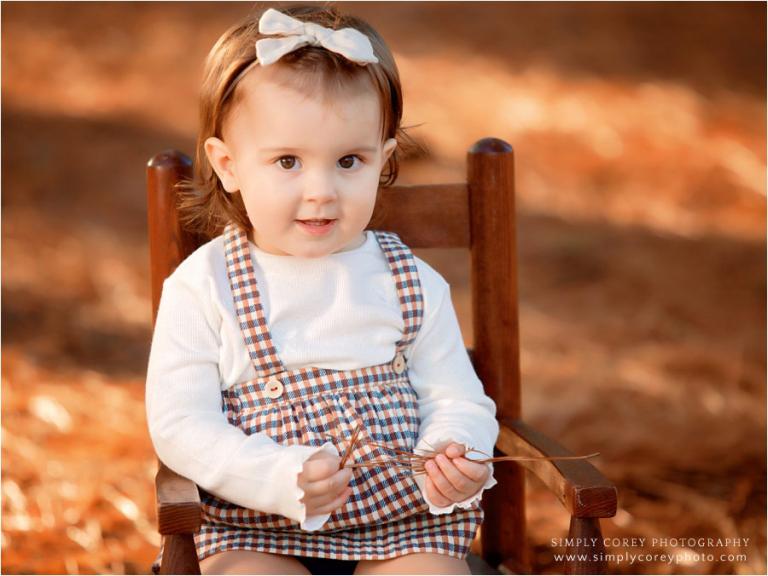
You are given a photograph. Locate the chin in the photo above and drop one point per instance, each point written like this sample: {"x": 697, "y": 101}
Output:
{"x": 316, "y": 252}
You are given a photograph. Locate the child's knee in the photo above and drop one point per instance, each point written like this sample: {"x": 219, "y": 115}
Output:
{"x": 250, "y": 562}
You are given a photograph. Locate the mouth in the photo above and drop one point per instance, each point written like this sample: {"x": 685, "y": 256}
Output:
{"x": 317, "y": 226}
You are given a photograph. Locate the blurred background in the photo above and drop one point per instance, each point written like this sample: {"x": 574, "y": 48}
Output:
{"x": 639, "y": 134}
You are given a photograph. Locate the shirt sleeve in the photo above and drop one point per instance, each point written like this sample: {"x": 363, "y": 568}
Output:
{"x": 452, "y": 403}
{"x": 189, "y": 430}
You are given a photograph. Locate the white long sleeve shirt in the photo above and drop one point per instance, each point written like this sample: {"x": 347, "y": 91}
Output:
{"x": 341, "y": 312}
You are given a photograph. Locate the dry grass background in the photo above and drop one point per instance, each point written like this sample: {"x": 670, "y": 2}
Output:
{"x": 639, "y": 134}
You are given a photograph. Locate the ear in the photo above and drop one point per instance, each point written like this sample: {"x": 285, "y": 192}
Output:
{"x": 387, "y": 149}
{"x": 222, "y": 162}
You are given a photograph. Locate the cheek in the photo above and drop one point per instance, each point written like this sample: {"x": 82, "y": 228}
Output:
{"x": 365, "y": 186}
{"x": 360, "y": 210}
{"x": 270, "y": 210}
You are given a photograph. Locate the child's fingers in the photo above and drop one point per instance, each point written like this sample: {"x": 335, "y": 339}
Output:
{"x": 463, "y": 484}
{"x": 328, "y": 487}
{"x": 454, "y": 450}
{"x": 475, "y": 471}
{"x": 315, "y": 498}
{"x": 326, "y": 507}
{"x": 441, "y": 482}
{"x": 322, "y": 469}
{"x": 434, "y": 496}
{"x": 319, "y": 506}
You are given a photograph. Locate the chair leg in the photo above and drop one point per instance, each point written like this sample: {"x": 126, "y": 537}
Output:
{"x": 503, "y": 532}
{"x": 179, "y": 555}
{"x": 582, "y": 532}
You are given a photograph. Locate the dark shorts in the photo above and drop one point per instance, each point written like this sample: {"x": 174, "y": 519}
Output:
{"x": 328, "y": 565}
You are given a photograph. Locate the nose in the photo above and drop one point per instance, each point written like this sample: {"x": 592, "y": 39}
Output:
{"x": 321, "y": 188}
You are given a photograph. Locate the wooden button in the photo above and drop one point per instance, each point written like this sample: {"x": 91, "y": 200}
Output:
{"x": 274, "y": 388}
{"x": 398, "y": 364}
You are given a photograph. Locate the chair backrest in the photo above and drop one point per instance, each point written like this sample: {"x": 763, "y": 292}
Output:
{"x": 478, "y": 214}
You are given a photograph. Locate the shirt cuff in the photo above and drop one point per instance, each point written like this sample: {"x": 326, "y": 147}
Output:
{"x": 438, "y": 444}
{"x": 291, "y": 505}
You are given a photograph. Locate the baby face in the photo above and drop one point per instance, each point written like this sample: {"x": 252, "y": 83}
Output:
{"x": 308, "y": 170}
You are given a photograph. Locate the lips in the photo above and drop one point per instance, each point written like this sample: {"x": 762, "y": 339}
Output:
{"x": 317, "y": 221}
{"x": 317, "y": 226}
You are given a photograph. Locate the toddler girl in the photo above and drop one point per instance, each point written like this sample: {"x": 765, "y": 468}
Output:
{"x": 281, "y": 336}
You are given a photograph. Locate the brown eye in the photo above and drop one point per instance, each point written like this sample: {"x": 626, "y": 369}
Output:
{"x": 287, "y": 162}
{"x": 345, "y": 162}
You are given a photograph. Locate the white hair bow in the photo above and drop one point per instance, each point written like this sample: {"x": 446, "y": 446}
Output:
{"x": 348, "y": 42}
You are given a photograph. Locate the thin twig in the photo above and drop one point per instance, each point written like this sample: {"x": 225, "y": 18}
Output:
{"x": 350, "y": 446}
{"x": 372, "y": 463}
{"x": 525, "y": 458}
{"x": 417, "y": 462}
{"x": 391, "y": 449}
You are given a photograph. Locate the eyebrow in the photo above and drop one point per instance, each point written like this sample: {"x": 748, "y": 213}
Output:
{"x": 369, "y": 149}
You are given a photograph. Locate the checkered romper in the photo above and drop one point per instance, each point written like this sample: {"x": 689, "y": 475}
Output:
{"x": 386, "y": 515}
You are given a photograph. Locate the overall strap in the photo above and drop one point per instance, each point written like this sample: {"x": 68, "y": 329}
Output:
{"x": 403, "y": 266}
{"x": 245, "y": 294}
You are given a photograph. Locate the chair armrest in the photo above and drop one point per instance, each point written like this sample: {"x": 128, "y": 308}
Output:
{"x": 582, "y": 489}
{"x": 178, "y": 503}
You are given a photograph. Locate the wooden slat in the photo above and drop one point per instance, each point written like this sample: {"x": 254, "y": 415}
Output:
{"x": 424, "y": 216}
{"x": 493, "y": 254}
{"x": 490, "y": 177}
{"x": 168, "y": 243}
{"x": 585, "y": 557}
{"x": 178, "y": 503}
{"x": 179, "y": 555}
{"x": 582, "y": 489}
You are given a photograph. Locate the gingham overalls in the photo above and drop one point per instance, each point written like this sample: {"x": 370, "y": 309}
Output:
{"x": 386, "y": 515}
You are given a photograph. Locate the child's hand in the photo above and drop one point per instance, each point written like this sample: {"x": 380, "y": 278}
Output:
{"x": 326, "y": 488}
{"x": 452, "y": 478}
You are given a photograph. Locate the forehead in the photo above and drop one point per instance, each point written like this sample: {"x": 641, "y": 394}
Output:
{"x": 273, "y": 110}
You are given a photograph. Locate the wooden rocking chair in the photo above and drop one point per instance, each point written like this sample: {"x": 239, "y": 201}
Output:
{"x": 478, "y": 214}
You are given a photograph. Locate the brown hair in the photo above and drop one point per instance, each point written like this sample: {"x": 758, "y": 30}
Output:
{"x": 204, "y": 206}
